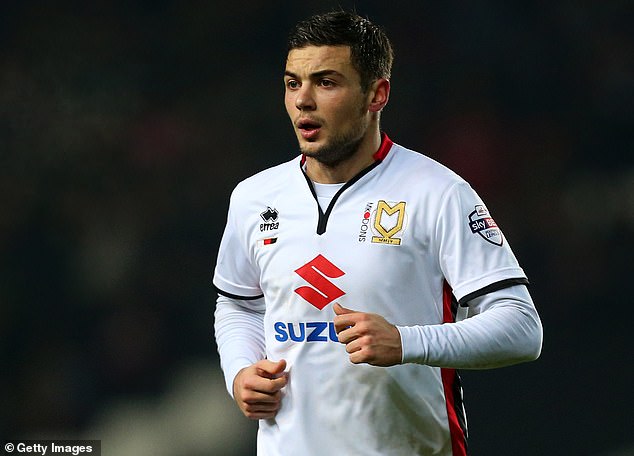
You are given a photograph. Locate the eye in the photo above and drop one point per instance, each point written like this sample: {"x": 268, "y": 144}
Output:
{"x": 326, "y": 83}
{"x": 292, "y": 84}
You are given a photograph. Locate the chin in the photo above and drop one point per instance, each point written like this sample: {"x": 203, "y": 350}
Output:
{"x": 309, "y": 148}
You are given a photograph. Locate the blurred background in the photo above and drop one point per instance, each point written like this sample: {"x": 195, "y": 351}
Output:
{"x": 125, "y": 125}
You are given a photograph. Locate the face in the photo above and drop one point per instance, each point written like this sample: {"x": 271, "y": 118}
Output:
{"x": 325, "y": 102}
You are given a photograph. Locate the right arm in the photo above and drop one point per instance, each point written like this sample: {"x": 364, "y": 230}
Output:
{"x": 253, "y": 381}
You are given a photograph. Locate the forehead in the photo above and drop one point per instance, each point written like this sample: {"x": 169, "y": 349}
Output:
{"x": 311, "y": 59}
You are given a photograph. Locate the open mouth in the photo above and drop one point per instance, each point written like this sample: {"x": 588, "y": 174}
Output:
{"x": 309, "y": 129}
{"x": 308, "y": 125}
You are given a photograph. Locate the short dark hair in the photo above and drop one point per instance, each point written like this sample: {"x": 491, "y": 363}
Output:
{"x": 371, "y": 52}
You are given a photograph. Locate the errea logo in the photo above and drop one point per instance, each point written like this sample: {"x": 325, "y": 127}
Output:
{"x": 270, "y": 216}
{"x": 317, "y": 272}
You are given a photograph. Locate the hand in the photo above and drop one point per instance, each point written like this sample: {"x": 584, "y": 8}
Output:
{"x": 369, "y": 338}
{"x": 256, "y": 389}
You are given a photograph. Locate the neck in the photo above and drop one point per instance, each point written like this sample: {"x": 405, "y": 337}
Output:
{"x": 347, "y": 169}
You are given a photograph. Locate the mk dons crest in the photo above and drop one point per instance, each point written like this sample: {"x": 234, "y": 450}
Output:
{"x": 389, "y": 221}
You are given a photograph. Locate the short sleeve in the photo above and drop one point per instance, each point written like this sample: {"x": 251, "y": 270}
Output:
{"x": 235, "y": 275}
{"x": 473, "y": 253}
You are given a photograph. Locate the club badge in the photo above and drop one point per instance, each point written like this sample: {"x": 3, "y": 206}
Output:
{"x": 389, "y": 221}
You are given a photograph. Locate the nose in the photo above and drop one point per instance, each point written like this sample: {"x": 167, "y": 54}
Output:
{"x": 304, "y": 101}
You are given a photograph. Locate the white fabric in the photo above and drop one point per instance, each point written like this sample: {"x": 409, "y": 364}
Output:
{"x": 396, "y": 242}
{"x": 325, "y": 193}
{"x": 503, "y": 329}
{"x": 239, "y": 333}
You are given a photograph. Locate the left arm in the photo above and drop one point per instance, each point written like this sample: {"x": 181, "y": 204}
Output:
{"x": 504, "y": 330}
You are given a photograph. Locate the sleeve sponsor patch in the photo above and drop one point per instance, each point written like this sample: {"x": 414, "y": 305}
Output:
{"x": 481, "y": 223}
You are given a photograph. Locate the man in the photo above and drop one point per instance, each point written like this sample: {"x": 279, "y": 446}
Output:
{"x": 345, "y": 276}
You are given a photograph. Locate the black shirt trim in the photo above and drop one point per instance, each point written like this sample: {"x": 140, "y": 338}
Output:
{"x": 323, "y": 217}
{"x": 233, "y": 296}
{"x": 491, "y": 288}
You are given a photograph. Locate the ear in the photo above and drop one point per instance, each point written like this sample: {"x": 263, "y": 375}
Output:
{"x": 380, "y": 93}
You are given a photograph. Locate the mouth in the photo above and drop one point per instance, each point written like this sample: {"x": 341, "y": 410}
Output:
{"x": 308, "y": 128}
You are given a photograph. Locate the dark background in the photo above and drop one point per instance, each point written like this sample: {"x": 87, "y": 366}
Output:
{"x": 125, "y": 125}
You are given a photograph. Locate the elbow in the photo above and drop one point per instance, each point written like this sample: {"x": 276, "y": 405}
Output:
{"x": 537, "y": 344}
{"x": 532, "y": 347}
{"x": 532, "y": 353}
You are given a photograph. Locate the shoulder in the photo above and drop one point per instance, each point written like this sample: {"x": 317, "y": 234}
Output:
{"x": 419, "y": 170}
{"x": 267, "y": 181}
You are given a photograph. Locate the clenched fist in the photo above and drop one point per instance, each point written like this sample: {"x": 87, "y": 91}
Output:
{"x": 368, "y": 337}
{"x": 256, "y": 389}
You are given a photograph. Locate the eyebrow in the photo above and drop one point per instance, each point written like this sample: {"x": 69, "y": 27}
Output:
{"x": 315, "y": 75}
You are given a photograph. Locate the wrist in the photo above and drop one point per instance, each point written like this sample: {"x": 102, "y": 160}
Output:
{"x": 413, "y": 345}
{"x": 231, "y": 374}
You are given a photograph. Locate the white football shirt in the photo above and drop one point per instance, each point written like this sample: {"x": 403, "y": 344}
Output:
{"x": 406, "y": 238}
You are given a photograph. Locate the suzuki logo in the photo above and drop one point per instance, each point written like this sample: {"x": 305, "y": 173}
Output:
{"x": 324, "y": 291}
